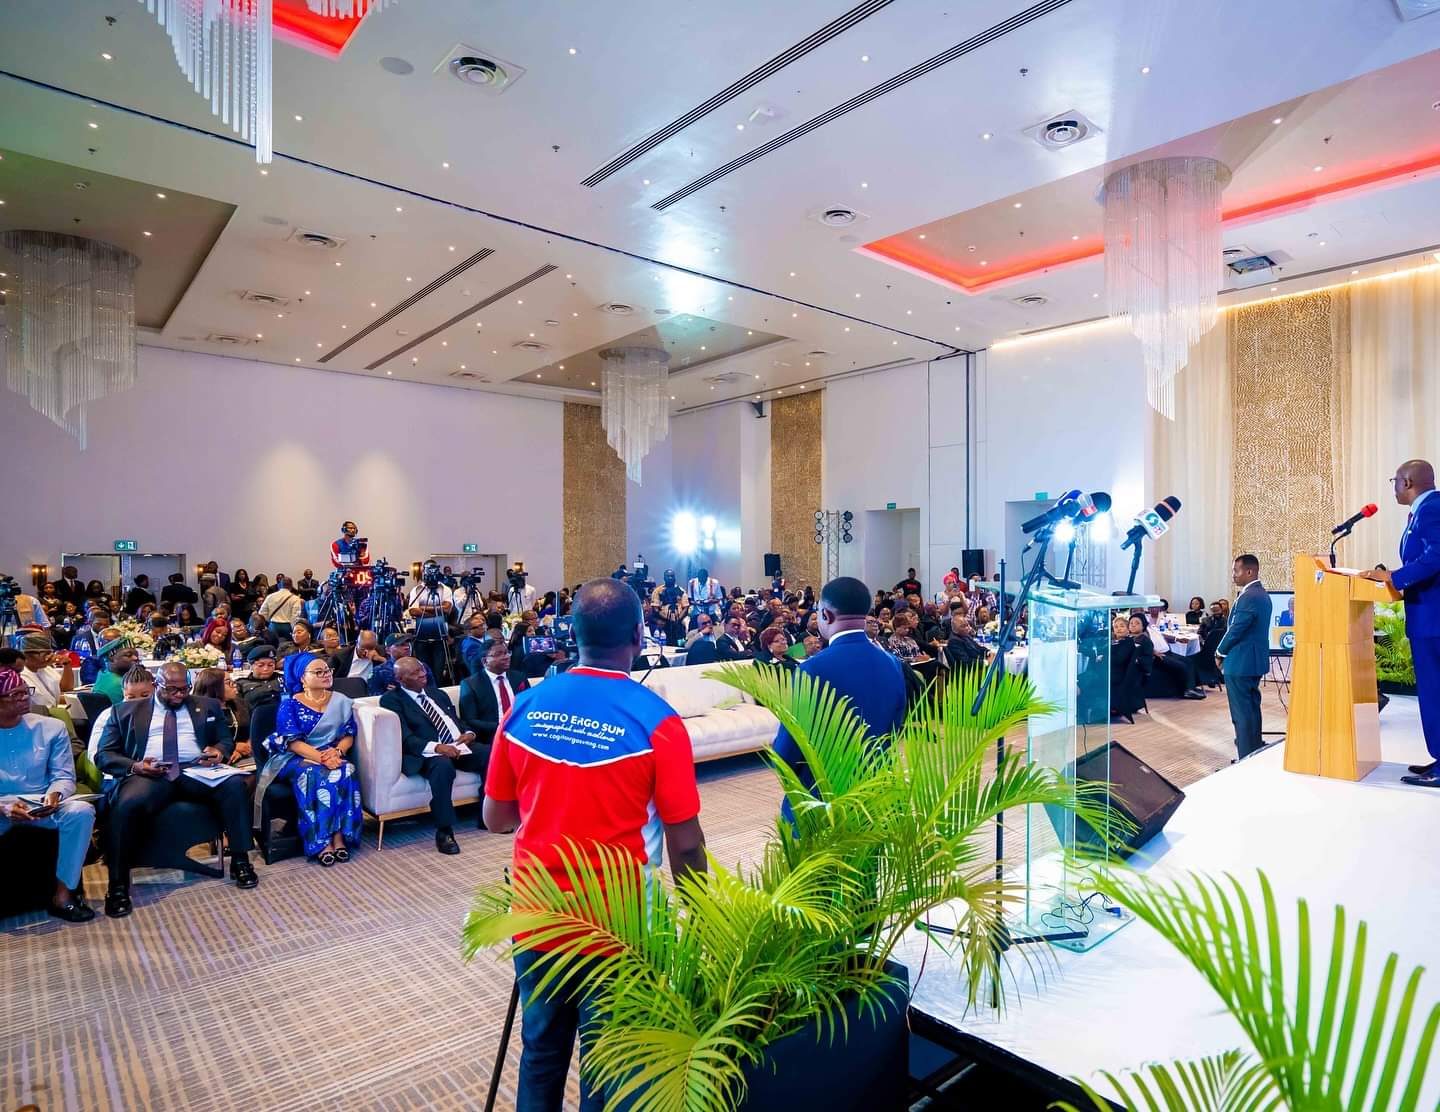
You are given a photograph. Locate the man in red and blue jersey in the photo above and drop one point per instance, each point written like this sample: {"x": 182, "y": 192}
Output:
{"x": 590, "y": 757}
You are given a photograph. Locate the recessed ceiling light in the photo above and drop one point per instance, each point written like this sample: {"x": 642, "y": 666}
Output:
{"x": 983, "y": 262}
{"x": 537, "y": 374}
{"x": 399, "y": 209}
{"x": 715, "y": 250}
{"x": 757, "y": 377}
{"x": 259, "y": 335}
{"x": 532, "y": 335}
{"x": 893, "y": 343}
{"x": 572, "y": 50}
{"x": 864, "y": 185}
{"x": 1317, "y": 169}
{"x": 519, "y": 301}
{"x": 562, "y": 366}
{"x": 307, "y": 293}
{"x": 107, "y": 55}
{"x": 1354, "y": 272}
{"x": 1278, "y": 120}
{"x": 1274, "y": 288}
{"x": 569, "y": 276}
{"x": 909, "y": 312}
{"x": 93, "y": 124}
{"x": 1018, "y": 204}
{"x": 847, "y": 328}
{"x": 279, "y": 316}
{"x": 452, "y": 247}
{"x": 339, "y": 263}
{"x": 147, "y": 233}
{"x": 644, "y": 181}
{"x": 264, "y": 173}
{"x": 857, "y": 295}
{"x": 372, "y": 305}
{"x": 297, "y": 359}
{"x": 319, "y": 344}
{"x": 389, "y": 372}
{"x": 299, "y": 118}
{"x": 748, "y": 332}
{"x": 1322, "y": 243}
{"x": 344, "y": 326}
{"x": 592, "y": 384}
{"x": 672, "y": 397}
{"x": 408, "y": 278}
{"x": 161, "y": 196}
{"x": 864, "y": 57}
{"x": 1075, "y": 237}
{"x": 702, "y": 347}
{"x": 792, "y": 274}
{"x": 1094, "y": 295}
{"x": 494, "y": 352}
{"x": 739, "y": 127}
{"x": 922, "y": 235}
{"x": 794, "y": 314}
{"x": 444, "y": 343}
{"x": 1144, "y": 69}
{"x": 986, "y": 135}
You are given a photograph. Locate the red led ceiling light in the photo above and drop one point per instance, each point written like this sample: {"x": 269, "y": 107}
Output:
{"x": 297, "y": 25}
{"x": 903, "y": 250}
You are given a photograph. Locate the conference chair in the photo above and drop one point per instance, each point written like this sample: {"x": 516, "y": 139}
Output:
{"x": 352, "y": 686}
{"x": 279, "y": 801}
{"x": 94, "y": 705}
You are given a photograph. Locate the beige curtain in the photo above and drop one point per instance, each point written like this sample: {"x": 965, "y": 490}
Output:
{"x": 1392, "y": 407}
{"x": 1192, "y": 457}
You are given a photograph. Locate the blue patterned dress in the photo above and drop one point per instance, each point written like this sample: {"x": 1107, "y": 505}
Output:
{"x": 328, "y": 799}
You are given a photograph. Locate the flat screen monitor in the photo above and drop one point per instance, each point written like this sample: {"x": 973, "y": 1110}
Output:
{"x": 1282, "y": 622}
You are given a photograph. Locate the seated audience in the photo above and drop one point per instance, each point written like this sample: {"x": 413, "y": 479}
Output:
{"x": 167, "y": 640}
{"x": 302, "y": 639}
{"x": 700, "y": 646}
{"x": 733, "y": 644}
{"x": 902, "y": 641}
{"x": 962, "y": 650}
{"x": 95, "y": 592}
{"x": 216, "y": 634}
{"x": 382, "y": 677}
{"x": 35, "y": 760}
{"x": 47, "y": 671}
{"x": 432, "y": 743}
{"x": 813, "y": 645}
{"x": 86, "y": 638}
{"x": 139, "y": 594}
{"x": 1167, "y": 663}
{"x": 358, "y": 661}
{"x": 329, "y": 646}
{"x": 314, "y": 730}
{"x": 1196, "y": 611}
{"x": 262, "y": 685}
{"x": 187, "y": 619}
{"x": 773, "y": 647}
{"x": 1131, "y": 659}
{"x": 218, "y": 684}
{"x": 470, "y": 649}
{"x": 486, "y": 696}
{"x": 119, "y": 656}
{"x": 145, "y": 747}
{"x": 137, "y": 683}
{"x": 704, "y": 629}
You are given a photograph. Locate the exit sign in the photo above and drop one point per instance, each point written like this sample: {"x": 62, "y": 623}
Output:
{"x": 889, "y": 505}
{"x": 125, "y": 546}
{"x": 468, "y": 548}
{"x": 1042, "y": 496}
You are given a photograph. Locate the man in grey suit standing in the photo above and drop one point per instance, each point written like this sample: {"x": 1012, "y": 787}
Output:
{"x": 1245, "y": 652}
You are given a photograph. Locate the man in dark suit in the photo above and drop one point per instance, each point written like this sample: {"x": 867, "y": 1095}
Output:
{"x": 146, "y": 745}
{"x": 854, "y": 666}
{"x": 178, "y": 592}
{"x": 730, "y": 645}
{"x": 1244, "y": 652}
{"x": 1419, "y": 578}
{"x": 487, "y": 695}
{"x": 961, "y": 649}
{"x": 702, "y": 651}
{"x": 432, "y": 743}
{"x": 69, "y": 588}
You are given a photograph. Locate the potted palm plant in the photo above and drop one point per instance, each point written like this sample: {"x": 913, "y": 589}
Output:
{"x": 734, "y": 981}
{"x": 1394, "y": 663}
{"x": 1305, "y": 1033}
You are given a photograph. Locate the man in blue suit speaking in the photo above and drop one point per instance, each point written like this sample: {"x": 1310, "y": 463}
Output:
{"x": 1419, "y": 579}
{"x": 1244, "y": 652}
{"x": 853, "y": 665}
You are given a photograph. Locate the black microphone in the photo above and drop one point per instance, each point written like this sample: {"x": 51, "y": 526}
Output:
{"x": 1349, "y": 523}
{"x": 1152, "y": 523}
{"x": 1073, "y": 505}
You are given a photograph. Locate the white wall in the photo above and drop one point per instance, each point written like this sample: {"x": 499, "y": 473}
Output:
{"x": 1061, "y": 412}
{"x": 255, "y": 465}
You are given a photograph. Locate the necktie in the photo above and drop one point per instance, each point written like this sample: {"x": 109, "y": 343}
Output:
{"x": 504, "y": 689}
{"x": 170, "y": 745}
{"x": 432, "y": 712}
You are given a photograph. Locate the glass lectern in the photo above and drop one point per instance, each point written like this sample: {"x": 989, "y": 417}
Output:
{"x": 1068, "y": 660}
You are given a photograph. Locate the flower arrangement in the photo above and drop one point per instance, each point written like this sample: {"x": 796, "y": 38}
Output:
{"x": 137, "y": 635}
{"x": 196, "y": 655}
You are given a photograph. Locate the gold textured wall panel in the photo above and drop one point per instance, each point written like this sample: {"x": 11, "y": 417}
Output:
{"x": 795, "y": 465}
{"x": 1289, "y": 359}
{"x": 594, "y": 497}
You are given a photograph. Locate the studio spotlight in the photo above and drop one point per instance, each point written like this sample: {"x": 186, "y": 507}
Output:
{"x": 1065, "y": 532}
{"x": 684, "y": 534}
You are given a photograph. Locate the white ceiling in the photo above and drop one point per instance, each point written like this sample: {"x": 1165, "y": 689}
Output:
{"x": 370, "y": 142}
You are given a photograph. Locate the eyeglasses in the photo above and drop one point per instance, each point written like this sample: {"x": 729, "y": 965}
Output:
{"x": 167, "y": 686}
{"x": 26, "y": 693}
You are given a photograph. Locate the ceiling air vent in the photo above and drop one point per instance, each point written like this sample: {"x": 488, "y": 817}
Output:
{"x": 818, "y": 353}
{"x": 270, "y": 300}
{"x": 226, "y": 339}
{"x": 728, "y": 378}
{"x": 1030, "y": 300}
{"x": 1064, "y": 129}
{"x": 532, "y": 345}
{"x": 482, "y": 70}
{"x": 469, "y": 376}
{"x": 617, "y": 308}
{"x": 308, "y": 238}
{"x": 1248, "y": 264}
{"x": 837, "y": 216}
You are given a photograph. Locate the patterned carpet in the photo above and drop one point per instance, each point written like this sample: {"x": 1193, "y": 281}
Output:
{"x": 341, "y": 988}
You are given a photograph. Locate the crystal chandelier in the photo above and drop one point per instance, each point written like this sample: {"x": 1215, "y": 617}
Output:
{"x": 70, "y": 323}
{"x": 634, "y": 407}
{"x": 223, "y": 48}
{"x": 1162, "y": 260}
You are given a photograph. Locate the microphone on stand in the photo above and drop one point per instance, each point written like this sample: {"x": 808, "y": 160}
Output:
{"x": 1349, "y": 523}
{"x": 1074, "y": 505}
{"x": 1153, "y": 523}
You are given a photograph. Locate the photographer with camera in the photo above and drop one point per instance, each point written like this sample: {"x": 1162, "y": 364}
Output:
{"x": 431, "y": 603}
{"x": 519, "y": 595}
{"x": 349, "y": 550}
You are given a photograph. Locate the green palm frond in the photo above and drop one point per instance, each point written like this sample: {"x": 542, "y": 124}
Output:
{"x": 1229, "y": 1082}
{"x": 1304, "y": 1037}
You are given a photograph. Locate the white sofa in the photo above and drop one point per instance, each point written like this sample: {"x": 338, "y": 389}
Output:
{"x": 721, "y": 722}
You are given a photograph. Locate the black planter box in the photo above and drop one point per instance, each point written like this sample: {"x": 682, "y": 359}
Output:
{"x": 1390, "y": 687}
{"x": 864, "y": 1068}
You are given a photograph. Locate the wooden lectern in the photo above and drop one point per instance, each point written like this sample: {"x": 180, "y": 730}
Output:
{"x": 1334, "y": 709}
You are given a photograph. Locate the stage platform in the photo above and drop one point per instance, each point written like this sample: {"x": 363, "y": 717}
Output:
{"x": 1366, "y": 846}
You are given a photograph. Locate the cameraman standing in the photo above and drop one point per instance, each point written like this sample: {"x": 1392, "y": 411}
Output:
{"x": 519, "y": 595}
{"x": 431, "y": 604}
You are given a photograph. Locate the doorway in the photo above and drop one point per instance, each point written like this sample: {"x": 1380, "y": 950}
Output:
{"x": 890, "y": 544}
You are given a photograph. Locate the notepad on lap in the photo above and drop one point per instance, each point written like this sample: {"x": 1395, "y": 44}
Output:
{"x": 214, "y": 774}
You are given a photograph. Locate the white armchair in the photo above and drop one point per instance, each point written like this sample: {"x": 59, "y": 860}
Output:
{"x": 385, "y": 791}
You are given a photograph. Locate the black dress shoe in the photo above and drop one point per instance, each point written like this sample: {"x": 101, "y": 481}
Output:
{"x": 117, "y": 903}
{"x": 73, "y": 910}
{"x": 1424, "y": 770}
{"x": 1431, "y": 781}
{"x": 243, "y": 873}
{"x": 1193, "y": 695}
{"x": 445, "y": 842}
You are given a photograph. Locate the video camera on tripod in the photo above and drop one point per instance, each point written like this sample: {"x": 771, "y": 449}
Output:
{"x": 434, "y": 577}
{"x": 383, "y": 602}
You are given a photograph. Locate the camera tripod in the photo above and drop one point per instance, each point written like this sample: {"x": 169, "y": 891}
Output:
{"x": 433, "y": 628}
{"x": 336, "y": 606}
{"x": 472, "y": 600}
{"x": 9, "y": 617}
